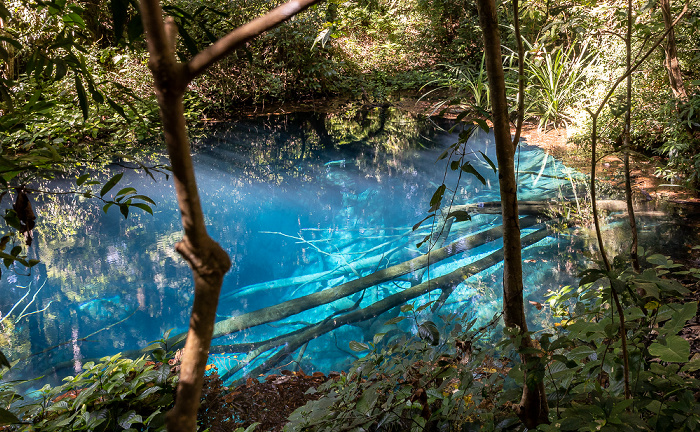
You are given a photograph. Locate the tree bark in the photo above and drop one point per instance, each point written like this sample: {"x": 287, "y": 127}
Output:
{"x": 671, "y": 59}
{"x": 533, "y": 409}
{"x": 208, "y": 261}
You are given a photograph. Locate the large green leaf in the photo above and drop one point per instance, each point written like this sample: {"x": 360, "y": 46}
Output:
{"x": 671, "y": 349}
{"x": 680, "y": 316}
{"x": 7, "y": 418}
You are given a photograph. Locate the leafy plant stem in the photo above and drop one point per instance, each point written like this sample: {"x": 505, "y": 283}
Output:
{"x": 623, "y": 339}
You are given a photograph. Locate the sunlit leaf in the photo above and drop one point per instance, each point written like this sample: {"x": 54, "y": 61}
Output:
{"x": 395, "y": 320}
{"x": 126, "y": 191}
{"x": 358, "y": 346}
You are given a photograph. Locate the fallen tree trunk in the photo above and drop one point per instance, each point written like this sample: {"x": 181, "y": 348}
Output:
{"x": 299, "y": 337}
{"x": 301, "y": 304}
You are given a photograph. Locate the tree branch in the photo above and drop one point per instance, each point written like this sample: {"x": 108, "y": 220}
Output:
{"x": 219, "y": 49}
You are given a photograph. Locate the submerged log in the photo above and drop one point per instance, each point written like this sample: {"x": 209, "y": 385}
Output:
{"x": 298, "y": 338}
{"x": 301, "y": 304}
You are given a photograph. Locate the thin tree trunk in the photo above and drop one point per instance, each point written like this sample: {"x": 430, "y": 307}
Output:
{"x": 626, "y": 145}
{"x": 671, "y": 61}
{"x": 208, "y": 261}
{"x": 533, "y": 408}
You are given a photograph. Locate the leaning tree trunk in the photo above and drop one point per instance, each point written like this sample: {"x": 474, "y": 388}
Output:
{"x": 208, "y": 261}
{"x": 671, "y": 59}
{"x": 533, "y": 408}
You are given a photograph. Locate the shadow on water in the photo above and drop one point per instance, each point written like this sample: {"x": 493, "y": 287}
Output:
{"x": 302, "y": 203}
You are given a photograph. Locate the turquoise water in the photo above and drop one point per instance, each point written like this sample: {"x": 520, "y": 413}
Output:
{"x": 301, "y": 203}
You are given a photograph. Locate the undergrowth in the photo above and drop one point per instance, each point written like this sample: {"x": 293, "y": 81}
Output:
{"x": 450, "y": 377}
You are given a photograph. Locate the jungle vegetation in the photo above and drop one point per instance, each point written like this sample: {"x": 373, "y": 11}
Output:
{"x": 85, "y": 83}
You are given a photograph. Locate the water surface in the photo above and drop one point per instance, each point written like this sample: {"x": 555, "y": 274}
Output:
{"x": 286, "y": 197}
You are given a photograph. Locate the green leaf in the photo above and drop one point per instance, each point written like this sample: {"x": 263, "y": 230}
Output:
{"x": 482, "y": 124}
{"x": 490, "y": 162}
{"x": 425, "y": 306}
{"x": 460, "y": 215}
{"x": 96, "y": 95}
{"x": 3, "y": 361}
{"x": 425, "y": 239}
{"x": 358, "y": 346}
{"x": 190, "y": 43}
{"x": 4, "y": 13}
{"x": 673, "y": 349}
{"x": 124, "y": 209}
{"x": 7, "y": 418}
{"x": 110, "y": 184}
{"x": 407, "y": 307}
{"x": 679, "y": 318}
{"x": 395, "y": 320}
{"x": 378, "y": 337}
{"x": 454, "y": 165}
{"x": 126, "y": 191}
{"x": 650, "y": 289}
{"x": 61, "y": 69}
{"x": 11, "y": 41}
{"x": 692, "y": 365}
{"x": 416, "y": 226}
{"x": 106, "y": 207}
{"x": 119, "y": 15}
{"x": 80, "y": 180}
{"x": 437, "y": 198}
{"x": 126, "y": 420}
{"x": 468, "y": 168}
{"x": 117, "y": 108}
{"x": 82, "y": 97}
{"x": 657, "y": 259}
{"x": 429, "y": 331}
{"x": 144, "y": 198}
{"x": 368, "y": 400}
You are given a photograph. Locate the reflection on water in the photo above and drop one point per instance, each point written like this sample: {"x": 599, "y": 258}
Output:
{"x": 301, "y": 203}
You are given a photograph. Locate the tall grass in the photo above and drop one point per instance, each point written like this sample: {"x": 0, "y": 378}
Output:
{"x": 557, "y": 79}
